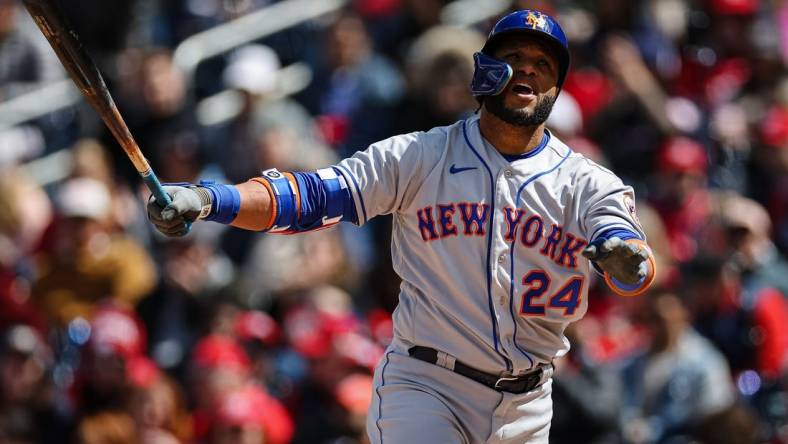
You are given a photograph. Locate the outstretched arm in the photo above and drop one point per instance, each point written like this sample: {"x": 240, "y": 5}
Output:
{"x": 256, "y": 209}
{"x": 193, "y": 202}
{"x": 279, "y": 202}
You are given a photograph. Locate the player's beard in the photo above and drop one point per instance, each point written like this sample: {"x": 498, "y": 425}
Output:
{"x": 520, "y": 117}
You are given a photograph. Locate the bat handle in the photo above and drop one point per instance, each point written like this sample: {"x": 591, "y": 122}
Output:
{"x": 161, "y": 197}
{"x": 153, "y": 184}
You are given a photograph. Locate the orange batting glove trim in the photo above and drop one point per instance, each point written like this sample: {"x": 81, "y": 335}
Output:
{"x": 651, "y": 274}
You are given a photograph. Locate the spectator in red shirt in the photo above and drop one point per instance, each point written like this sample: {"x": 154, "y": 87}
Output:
{"x": 680, "y": 197}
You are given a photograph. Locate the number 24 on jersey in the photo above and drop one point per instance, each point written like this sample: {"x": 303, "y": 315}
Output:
{"x": 566, "y": 298}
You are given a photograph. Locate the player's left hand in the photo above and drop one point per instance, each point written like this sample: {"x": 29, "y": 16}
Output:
{"x": 174, "y": 219}
{"x": 624, "y": 261}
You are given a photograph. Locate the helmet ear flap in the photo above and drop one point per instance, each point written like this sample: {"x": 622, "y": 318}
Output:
{"x": 490, "y": 75}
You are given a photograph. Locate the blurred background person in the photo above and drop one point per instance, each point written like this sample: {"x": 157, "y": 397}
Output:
{"x": 25, "y": 213}
{"x": 746, "y": 234}
{"x": 226, "y": 397}
{"x": 114, "y": 340}
{"x": 680, "y": 195}
{"x": 92, "y": 159}
{"x": 26, "y": 64}
{"x": 243, "y": 144}
{"x": 771, "y": 160}
{"x": 86, "y": 261}
{"x": 248, "y": 415}
{"x": 195, "y": 276}
{"x": 355, "y": 88}
{"x": 587, "y": 397}
{"x": 25, "y": 60}
{"x": 439, "y": 69}
{"x": 158, "y": 405}
{"x": 107, "y": 427}
{"x": 748, "y": 327}
{"x": 160, "y": 113}
{"x": 27, "y": 396}
{"x": 680, "y": 380}
{"x": 354, "y": 395}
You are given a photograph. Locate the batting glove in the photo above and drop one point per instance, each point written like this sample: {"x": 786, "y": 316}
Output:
{"x": 188, "y": 204}
{"x": 625, "y": 261}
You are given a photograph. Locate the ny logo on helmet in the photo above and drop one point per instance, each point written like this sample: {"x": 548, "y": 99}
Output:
{"x": 535, "y": 20}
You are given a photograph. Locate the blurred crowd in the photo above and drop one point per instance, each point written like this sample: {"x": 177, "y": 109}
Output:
{"x": 110, "y": 333}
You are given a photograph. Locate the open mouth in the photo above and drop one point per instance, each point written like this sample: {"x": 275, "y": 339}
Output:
{"x": 522, "y": 89}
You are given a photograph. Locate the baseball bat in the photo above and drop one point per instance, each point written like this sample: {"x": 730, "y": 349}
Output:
{"x": 87, "y": 77}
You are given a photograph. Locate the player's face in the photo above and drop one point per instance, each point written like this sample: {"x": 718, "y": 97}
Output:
{"x": 528, "y": 98}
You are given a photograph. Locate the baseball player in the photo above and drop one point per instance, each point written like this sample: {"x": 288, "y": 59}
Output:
{"x": 493, "y": 219}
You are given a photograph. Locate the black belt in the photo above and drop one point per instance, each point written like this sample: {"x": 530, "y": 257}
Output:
{"x": 512, "y": 384}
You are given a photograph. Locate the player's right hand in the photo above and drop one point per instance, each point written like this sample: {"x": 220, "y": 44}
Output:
{"x": 174, "y": 219}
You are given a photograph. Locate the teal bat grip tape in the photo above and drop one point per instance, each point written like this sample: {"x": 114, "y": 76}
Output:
{"x": 153, "y": 184}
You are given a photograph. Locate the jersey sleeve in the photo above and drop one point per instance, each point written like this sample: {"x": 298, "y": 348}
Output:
{"x": 384, "y": 177}
{"x": 607, "y": 204}
{"x": 608, "y": 209}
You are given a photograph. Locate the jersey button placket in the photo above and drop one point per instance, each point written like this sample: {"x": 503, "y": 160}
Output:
{"x": 501, "y": 261}
{"x": 508, "y": 174}
{"x": 506, "y": 181}
{"x": 501, "y": 301}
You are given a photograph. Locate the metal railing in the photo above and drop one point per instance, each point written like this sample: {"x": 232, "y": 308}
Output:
{"x": 224, "y": 37}
{"x": 187, "y": 56}
{"x": 253, "y": 26}
{"x": 38, "y": 103}
{"x": 210, "y": 43}
{"x": 51, "y": 168}
{"x": 226, "y": 104}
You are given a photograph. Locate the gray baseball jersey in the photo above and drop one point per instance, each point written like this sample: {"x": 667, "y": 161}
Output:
{"x": 488, "y": 250}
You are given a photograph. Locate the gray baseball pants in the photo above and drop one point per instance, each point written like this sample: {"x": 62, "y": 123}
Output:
{"x": 415, "y": 402}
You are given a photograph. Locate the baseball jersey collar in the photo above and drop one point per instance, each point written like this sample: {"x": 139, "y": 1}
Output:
{"x": 542, "y": 144}
{"x": 473, "y": 122}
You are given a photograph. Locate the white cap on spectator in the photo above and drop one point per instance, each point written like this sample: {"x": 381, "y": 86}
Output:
{"x": 252, "y": 68}
{"x": 742, "y": 212}
{"x": 437, "y": 41}
{"x": 83, "y": 197}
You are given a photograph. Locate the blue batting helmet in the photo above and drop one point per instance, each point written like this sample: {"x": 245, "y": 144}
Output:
{"x": 491, "y": 75}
